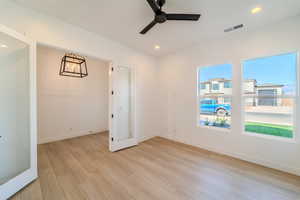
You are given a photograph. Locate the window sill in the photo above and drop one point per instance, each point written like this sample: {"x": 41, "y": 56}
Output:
{"x": 270, "y": 137}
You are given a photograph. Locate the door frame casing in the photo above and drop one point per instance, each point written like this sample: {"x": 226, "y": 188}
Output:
{"x": 115, "y": 145}
{"x": 17, "y": 183}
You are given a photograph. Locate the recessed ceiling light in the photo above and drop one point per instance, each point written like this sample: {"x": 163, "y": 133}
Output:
{"x": 3, "y": 46}
{"x": 156, "y": 47}
{"x": 256, "y": 10}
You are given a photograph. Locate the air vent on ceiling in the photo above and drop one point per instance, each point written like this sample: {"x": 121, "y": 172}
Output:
{"x": 234, "y": 28}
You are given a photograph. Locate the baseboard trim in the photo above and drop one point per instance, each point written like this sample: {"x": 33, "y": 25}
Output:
{"x": 262, "y": 162}
{"x": 144, "y": 138}
{"x": 68, "y": 136}
{"x": 74, "y": 135}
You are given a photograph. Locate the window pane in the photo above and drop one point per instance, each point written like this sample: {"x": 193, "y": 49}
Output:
{"x": 215, "y": 98}
{"x": 269, "y": 116}
{"x": 215, "y": 111}
{"x": 270, "y": 85}
{"x": 275, "y": 75}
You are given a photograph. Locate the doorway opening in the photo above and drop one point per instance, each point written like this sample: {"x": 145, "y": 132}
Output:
{"x": 102, "y": 102}
{"x": 70, "y": 107}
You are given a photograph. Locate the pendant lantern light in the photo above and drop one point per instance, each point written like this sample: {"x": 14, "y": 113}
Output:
{"x": 73, "y": 65}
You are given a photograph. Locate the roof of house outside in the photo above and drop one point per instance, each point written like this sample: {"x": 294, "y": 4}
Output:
{"x": 219, "y": 79}
{"x": 216, "y": 93}
{"x": 248, "y": 80}
{"x": 216, "y": 79}
{"x": 249, "y": 92}
{"x": 269, "y": 85}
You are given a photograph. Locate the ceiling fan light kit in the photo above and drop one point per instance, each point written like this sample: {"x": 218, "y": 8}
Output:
{"x": 162, "y": 17}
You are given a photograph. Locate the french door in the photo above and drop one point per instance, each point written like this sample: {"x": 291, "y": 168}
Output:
{"x": 18, "y": 144}
{"x": 122, "y": 108}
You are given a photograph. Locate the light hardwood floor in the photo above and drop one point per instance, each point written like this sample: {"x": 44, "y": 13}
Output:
{"x": 83, "y": 168}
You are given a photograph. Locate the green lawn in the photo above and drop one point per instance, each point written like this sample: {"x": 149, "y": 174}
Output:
{"x": 269, "y": 129}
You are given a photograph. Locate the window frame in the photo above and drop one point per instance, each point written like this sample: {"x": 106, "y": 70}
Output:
{"x": 295, "y": 98}
{"x": 199, "y": 97}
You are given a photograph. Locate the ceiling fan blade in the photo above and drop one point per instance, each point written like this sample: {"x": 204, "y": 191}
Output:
{"x": 191, "y": 17}
{"x": 153, "y": 5}
{"x": 147, "y": 28}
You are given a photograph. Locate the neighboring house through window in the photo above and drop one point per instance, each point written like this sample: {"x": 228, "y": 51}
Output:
{"x": 252, "y": 88}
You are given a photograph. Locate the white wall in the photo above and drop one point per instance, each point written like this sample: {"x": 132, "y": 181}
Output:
{"x": 70, "y": 107}
{"x": 178, "y": 75}
{"x": 53, "y": 32}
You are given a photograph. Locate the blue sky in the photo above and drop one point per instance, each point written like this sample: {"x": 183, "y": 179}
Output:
{"x": 216, "y": 71}
{"x": 274, "y": 70}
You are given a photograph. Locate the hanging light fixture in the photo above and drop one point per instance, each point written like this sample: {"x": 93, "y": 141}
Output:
{"x": 73, "y": 65}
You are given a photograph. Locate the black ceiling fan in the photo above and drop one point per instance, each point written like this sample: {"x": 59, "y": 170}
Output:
{"x": 161, "y": 16}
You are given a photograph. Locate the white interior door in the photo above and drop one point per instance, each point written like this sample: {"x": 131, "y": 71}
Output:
{"x": 18, "y": 146}
{"x": 122, "y": 108}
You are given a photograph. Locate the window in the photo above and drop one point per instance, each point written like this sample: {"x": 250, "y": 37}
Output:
{"x": 214, "y": 102}
{"x": 227, "y": 100}
{"x": 215, "y": 86}
{"x": 203, "y": 86}
{"x": 227, "y": 84}
{"x": 270, "y": 86}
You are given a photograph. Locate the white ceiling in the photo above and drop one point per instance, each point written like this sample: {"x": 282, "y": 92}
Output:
{"x": 11, "y": 44}
{"x": 122, "y": 20}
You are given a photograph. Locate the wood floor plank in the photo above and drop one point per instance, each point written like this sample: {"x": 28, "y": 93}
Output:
{"x": 49, "y": 184}
{"x": 31, "y": 192}
{"x": 68, "y": 171}
{"x": 158, "y": 169}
